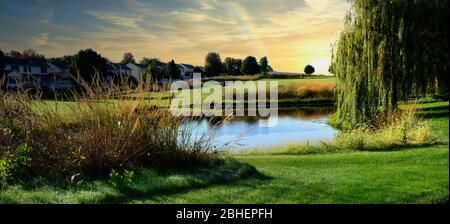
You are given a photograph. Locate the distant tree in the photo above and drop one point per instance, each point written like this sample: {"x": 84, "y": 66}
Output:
{"x": 88, "y": 63}
{"x": 151, "y": 61}
{"x": 309, "y": 69}
{"x": 213, "y": 64}
{"x": 15, "y": 54}
{"x": 232, "y": 66}
{"x": 67, "y": 59}
{"x": 2, "y": 67}
{"x": 269, "y": 68}
{"x": 250, "y": 66}
{"x": 172, "y": 71}
{"x": 331, "y": 69}
{"x": 264, "y": 64}
{"x": 31, "y": 54}
{"x": 128, "y": 58}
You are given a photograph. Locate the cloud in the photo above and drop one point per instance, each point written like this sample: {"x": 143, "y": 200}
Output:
{"x": 46, "y": 17}
{"x": 116, "y": 18}
{"x": 39, "y": 40}
{"x": 290, "y": 32}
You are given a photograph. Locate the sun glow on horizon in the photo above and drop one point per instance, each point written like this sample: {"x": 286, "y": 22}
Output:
{"x": 291, "y": 33}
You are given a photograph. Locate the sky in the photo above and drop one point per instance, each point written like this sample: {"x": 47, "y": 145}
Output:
{"x": 291, "y": 33}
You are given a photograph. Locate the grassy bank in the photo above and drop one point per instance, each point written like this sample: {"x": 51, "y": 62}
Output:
{"x": 292, "y": 91}
{"x": 417, "y": 175}
{"x": 405, "y": 174}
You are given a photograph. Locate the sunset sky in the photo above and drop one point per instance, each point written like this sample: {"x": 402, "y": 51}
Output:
{"x": 291, "y": 33}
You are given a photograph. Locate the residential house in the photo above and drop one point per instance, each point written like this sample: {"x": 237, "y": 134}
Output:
{"x": 60, "y": 77}
{"x": 136, "y": 70}
{"x": 117, "y": 69}
{"x": 186, "y": 71}
{"x": 36, "y": 73}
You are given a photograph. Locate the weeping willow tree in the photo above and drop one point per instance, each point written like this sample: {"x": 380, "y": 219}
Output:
{"x": 390, "y": 50}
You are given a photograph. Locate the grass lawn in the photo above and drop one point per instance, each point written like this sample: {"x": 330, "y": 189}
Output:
{"x": 404, "y": 175}
{"x": 162, "y": 99}
{"x": 302, "y": 80}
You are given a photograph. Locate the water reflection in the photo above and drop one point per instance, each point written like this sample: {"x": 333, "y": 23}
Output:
{"x": 294, "y": 125}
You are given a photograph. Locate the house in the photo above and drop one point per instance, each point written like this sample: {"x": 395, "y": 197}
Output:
{"x": 25, "y": 73}
{"x": 116, "y": 72}
{"x": 117, "y": 69}
{"x": 136, "y": 70}
{"x": 36, "y": 73}
{"x": 186, "y": 71}
{"x": 60, "y": 77}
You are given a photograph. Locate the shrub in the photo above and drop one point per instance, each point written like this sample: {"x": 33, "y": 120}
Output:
{"x": 402, "y": 128}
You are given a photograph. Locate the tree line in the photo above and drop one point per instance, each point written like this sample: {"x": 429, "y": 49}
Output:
{"x": 235, "y": 66}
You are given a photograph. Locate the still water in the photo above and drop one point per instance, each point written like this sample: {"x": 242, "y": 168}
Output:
{"x": 294, "y": 125}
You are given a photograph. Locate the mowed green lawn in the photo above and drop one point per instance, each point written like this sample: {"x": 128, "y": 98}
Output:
{"x": 406, "y": 175}
{"x": 163, "y": 98}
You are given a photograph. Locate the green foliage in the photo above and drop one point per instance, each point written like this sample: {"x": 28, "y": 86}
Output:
{"x": 120, "y": 180}
{"x": 7, "y": 166}
{"x": 151, "y": 61}
{"x": 264, "y": 65}
{"x": 15, "y": 166}
{"x": 23, "y": 159}
{"x": 172, "y": 71}
{"x": 213, "y": 64}
{"x": 250, "y": 66}
{"x": 309, "y": 69}
{"x": 128, "y": 58}
{"x": 232, "y": 66}
{"x": 154, "y": 69}
{"x": 87, "y": 64}
{"x": 389, "y": 51}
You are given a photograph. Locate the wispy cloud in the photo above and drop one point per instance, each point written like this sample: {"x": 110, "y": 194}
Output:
{"x": 39, "y": 40}
{"x": 116, "y": 18}
{"x": 291, "y": 33}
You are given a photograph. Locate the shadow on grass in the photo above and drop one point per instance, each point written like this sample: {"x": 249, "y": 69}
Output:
{"x": 393, "y": 148}
{"x": 150, "y": 184}
{"x": 434, "y": 112}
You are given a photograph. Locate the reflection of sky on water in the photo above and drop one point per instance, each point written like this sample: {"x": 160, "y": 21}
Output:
{"x": 294, "y": 125}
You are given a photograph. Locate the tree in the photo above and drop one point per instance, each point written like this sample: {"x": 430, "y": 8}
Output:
{"x": 264, "y": 64}
{"x": 88, "y": 64}
{"x": 31, "y": 54}
{"x": 66, "y": 59}
{"x": 331, "y": 69}
{"x": 232, "y": 66}
{"x": 151, "y": 61}
{"x": 128, "y": 58}
{"x": 309, "y": 69}
{"x": 389, "y": 51}
{"x": 213, "y": 64}
{"x": 15, "y": 54}
{"x": 250, "y": 66}
{"x": 172, "y": 71}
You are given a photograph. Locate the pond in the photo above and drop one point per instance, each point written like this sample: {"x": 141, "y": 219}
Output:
{"x": 299, "y": 124}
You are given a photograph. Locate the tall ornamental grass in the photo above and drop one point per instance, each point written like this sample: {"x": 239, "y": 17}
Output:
{"x": 94, "y": 130}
